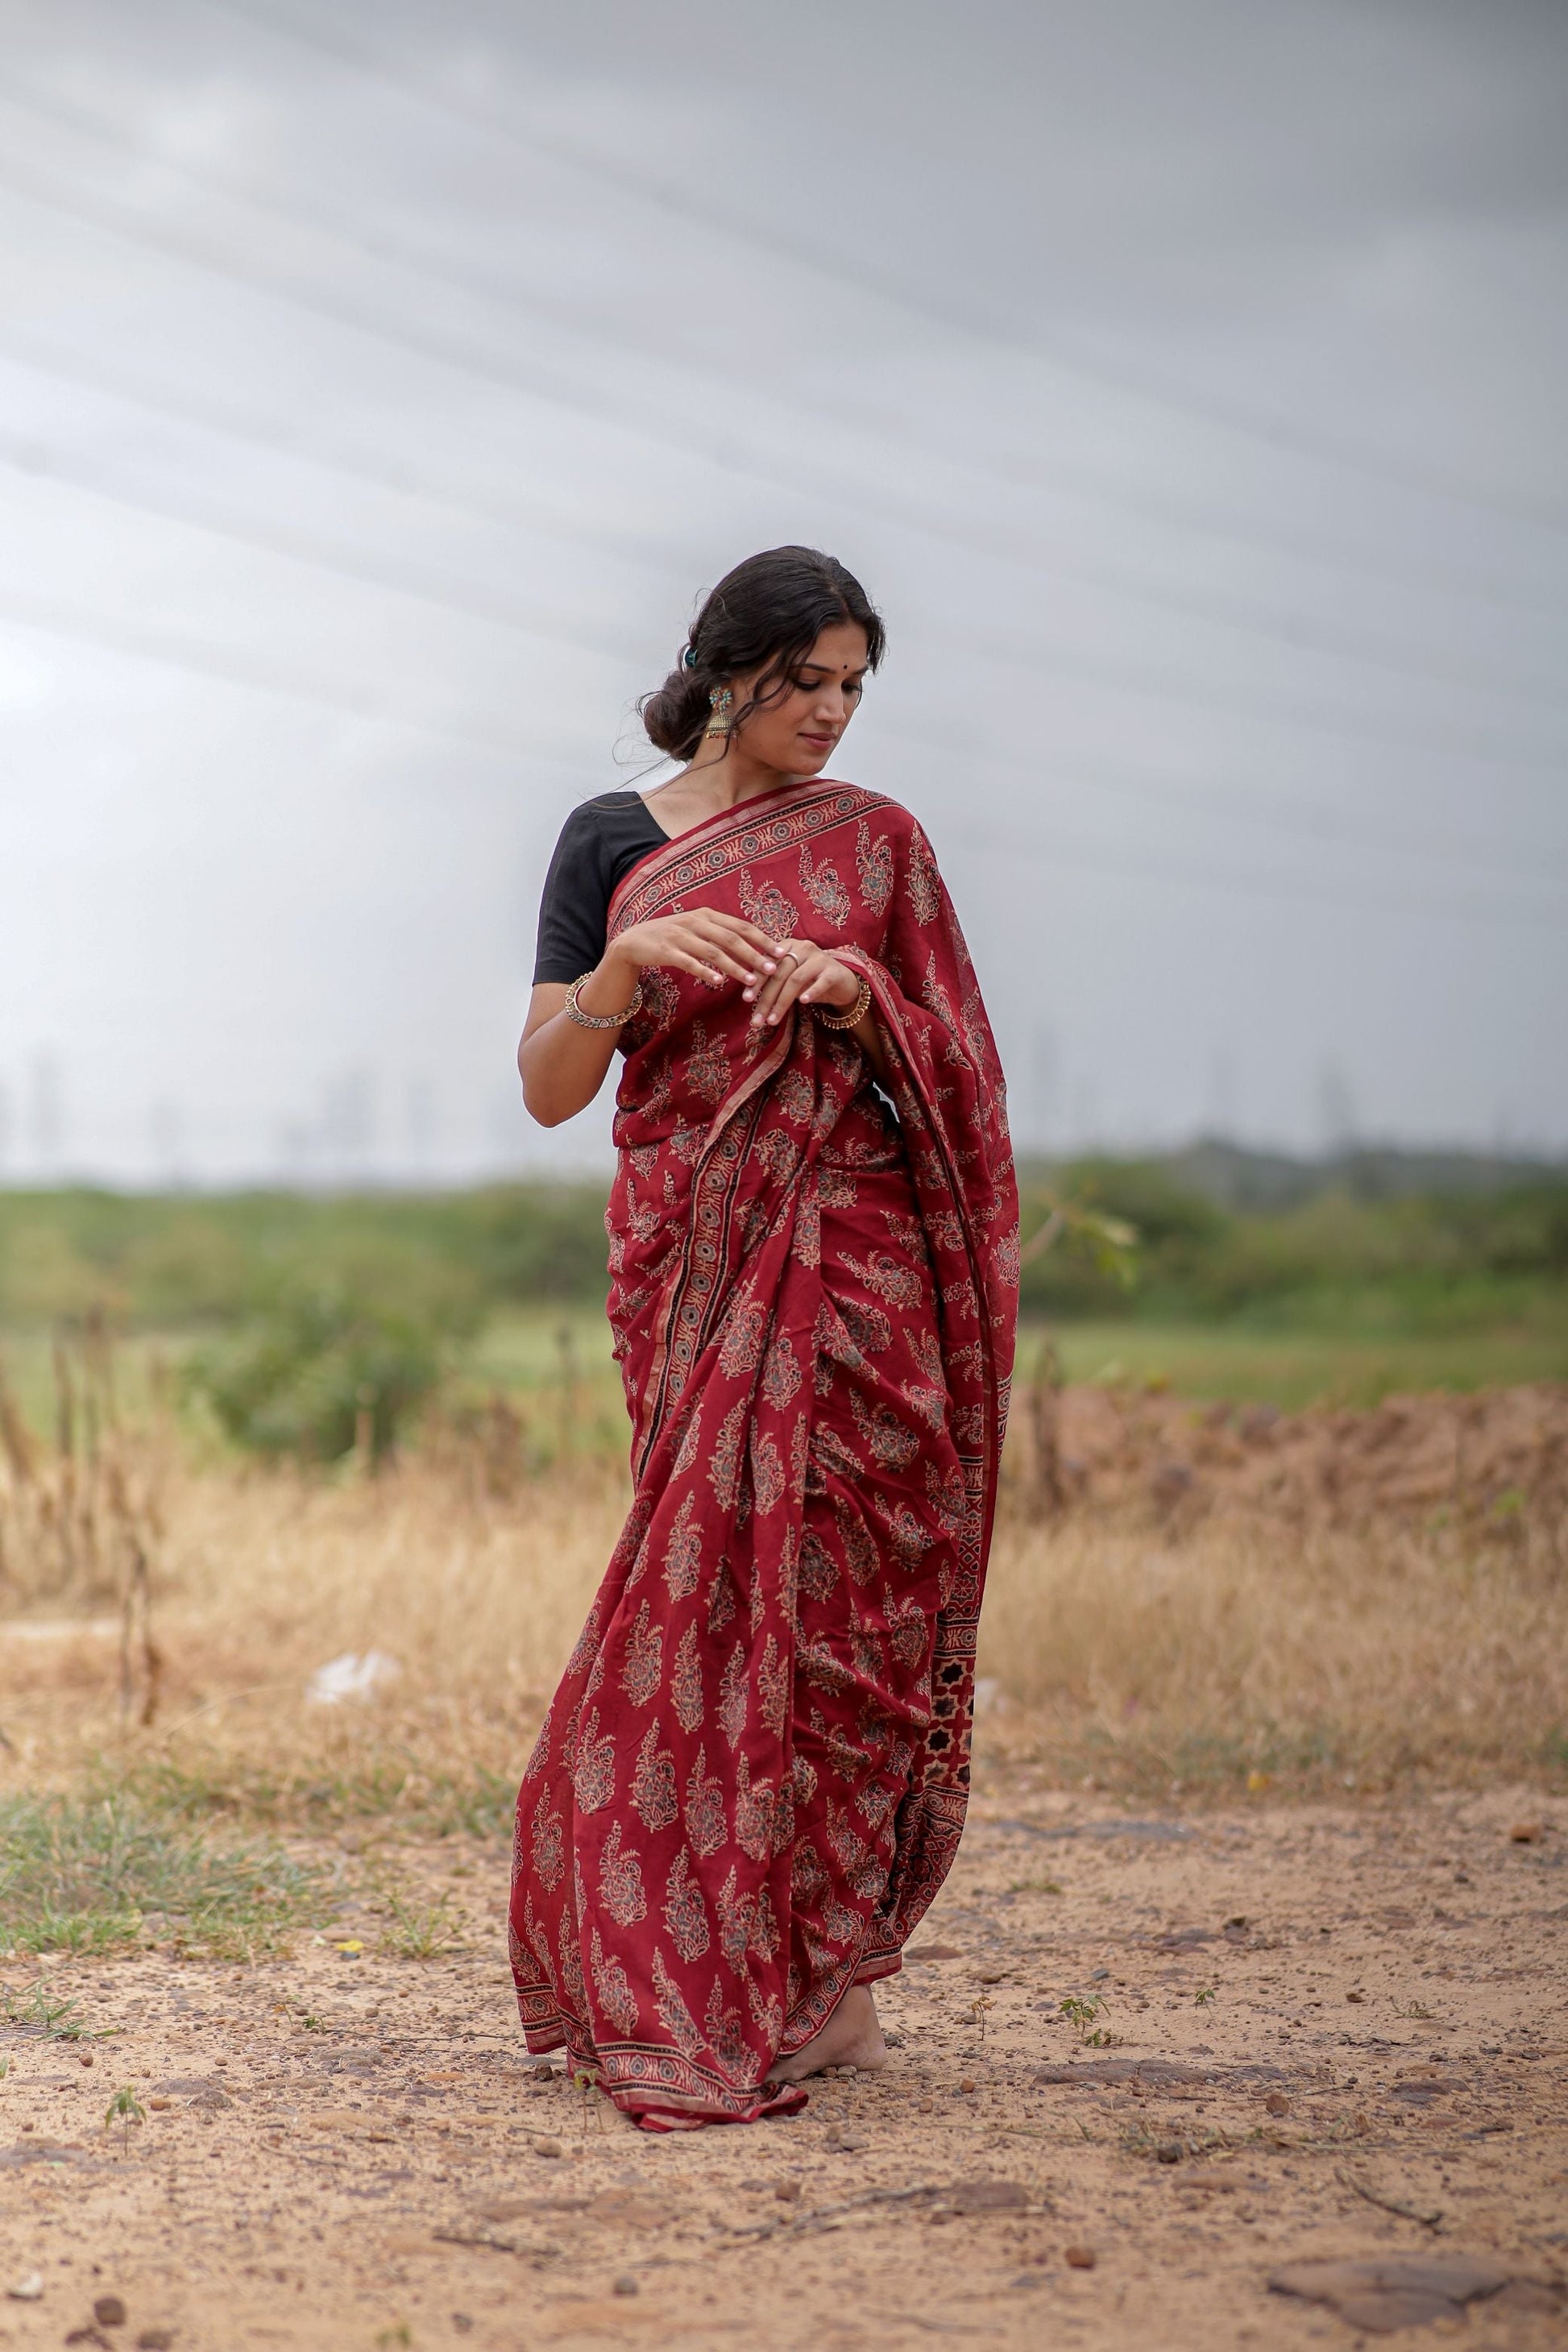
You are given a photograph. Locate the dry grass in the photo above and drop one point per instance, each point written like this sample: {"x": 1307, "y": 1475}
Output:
{"x": 1239, "y": 1650}
{"x": 1114, "y": 1648}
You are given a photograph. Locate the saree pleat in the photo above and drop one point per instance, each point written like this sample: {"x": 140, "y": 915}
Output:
{"x": 752, "y": 1781}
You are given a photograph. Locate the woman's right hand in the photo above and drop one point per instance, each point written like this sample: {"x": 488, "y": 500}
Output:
{"x": 563, "y": 1065}
{"x": 713, "y": 947}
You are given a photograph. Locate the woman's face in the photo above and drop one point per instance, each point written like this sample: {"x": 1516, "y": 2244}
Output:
{"x": 794, "y": 731}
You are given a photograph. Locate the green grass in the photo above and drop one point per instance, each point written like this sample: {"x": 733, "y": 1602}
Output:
{"x": 473, "y": 1803}
{"x": 42, "y": 2011}
{"x": 103, "y": 1874}
{"x": 418, "y": 1931}
{"x": 1294, "y": 1364}
{"x": 1293, "y": 1367}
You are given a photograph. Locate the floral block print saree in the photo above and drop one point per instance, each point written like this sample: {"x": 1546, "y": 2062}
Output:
{"x": 752, "y": 1781}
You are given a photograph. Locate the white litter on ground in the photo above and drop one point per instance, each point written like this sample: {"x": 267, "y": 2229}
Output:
{"x": 352, "y": 1676}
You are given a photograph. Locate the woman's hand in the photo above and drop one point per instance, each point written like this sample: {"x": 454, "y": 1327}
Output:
{"x": 807, "y": 974}
{"x": 713, "y": 947}
{"x": 563, "y": 1065}
{"x": 813, "y": 975}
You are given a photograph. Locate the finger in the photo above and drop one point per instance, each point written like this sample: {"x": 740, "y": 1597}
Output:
{"x": 790, "y": 984}
{"x": 767, "y": 997}
{"x": 676, "y": 960}
{"x": 743, "y": 939}
{"x": 752, "y": 933}
{"x": 722, "y": 960}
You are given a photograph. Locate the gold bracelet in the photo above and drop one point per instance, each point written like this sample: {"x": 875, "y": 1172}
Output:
{"x": 856, "y": 1015}
{"x": 599, "y": 1020}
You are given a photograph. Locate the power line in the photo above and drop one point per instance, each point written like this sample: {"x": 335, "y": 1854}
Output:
{"x": 314, "y": 550}
{"x": 493, "y": 505}
{"x": 499, "y": 506}
{"x": 309, "y": 549}
{"x": 1304, "y": 820}
{"x": 1123, "y": 377}
{"x": 149, "y": 641}
{"x": 1010, "y": 650}
{"x": 1189, "y": 602}
{"x": 1081, "y": 482}
{"x": 1064, "y": 848}
{"x": 395, "y": 575}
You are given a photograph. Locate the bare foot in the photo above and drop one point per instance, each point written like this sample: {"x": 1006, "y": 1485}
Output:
{"x": 851, "y": 2037}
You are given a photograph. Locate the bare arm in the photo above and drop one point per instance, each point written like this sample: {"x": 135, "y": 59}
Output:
{"x": 563, "y": 1065}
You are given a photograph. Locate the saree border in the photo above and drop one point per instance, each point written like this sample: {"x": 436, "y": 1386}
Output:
{"x": 707, "y": 853}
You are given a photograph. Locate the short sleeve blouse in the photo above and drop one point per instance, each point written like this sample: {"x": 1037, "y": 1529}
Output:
{"x": 600, "y": 841}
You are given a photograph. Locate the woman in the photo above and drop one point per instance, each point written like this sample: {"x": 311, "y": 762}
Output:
{"x": 752, "y": 1781}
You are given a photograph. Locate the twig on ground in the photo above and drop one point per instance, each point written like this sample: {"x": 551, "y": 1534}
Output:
{"x": 1388, "y": 2204}
{"x": 497, "y": 2245}
{"x": 823, "y": 2216}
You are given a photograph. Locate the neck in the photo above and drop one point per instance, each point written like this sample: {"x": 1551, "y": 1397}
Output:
{"x": 727, "y": 777}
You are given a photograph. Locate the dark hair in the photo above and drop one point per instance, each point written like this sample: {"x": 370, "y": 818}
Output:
{"x": 764, "y": 615}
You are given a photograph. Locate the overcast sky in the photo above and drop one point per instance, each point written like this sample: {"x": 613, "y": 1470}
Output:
{"x": 381, "y": 386}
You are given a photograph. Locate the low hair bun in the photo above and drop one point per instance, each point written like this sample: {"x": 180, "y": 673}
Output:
{"x": 762, "y": 620}
{"x": 674, "y": 718}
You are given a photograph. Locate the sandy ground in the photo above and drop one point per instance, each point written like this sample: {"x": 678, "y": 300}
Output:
{"x": 356, "y": 2152}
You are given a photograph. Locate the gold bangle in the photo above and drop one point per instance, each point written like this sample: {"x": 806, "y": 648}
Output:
{"x": 599, "y": 1020}
{"x": 856, "y": 1015}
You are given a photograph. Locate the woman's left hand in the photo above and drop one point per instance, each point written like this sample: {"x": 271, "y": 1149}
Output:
{"x": 813, "y": 975}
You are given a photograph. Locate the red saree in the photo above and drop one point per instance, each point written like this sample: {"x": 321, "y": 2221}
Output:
{"x": 752, "y": 1781}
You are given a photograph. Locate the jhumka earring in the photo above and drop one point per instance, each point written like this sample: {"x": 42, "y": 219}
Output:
{"x": 721, "y": 702}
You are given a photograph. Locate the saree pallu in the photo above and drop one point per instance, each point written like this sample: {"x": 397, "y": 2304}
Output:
{"x": 752, "y": 1781}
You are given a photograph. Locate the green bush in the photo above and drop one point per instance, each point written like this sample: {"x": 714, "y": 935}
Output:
{"x": 331, "y": 1360}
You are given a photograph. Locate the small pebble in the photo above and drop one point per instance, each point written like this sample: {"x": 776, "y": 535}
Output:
{"x": 966, "y": 2085}
{"x": 1080, "y": 2258}
{"x": 787, "y": 2191}
{"x": 84, "y": 2057}
{"x": 155, "y": 2339}
{"x": 1278, "y": 2104}
{"x": 29, "y": 2287}
{"x": 1168, "y": 2152}
{"x": 1525, "y": 1833}
{"x": 108, "y": 2310}
{"x": 627, "y": 2284}
{"x": 547, "y": 2148}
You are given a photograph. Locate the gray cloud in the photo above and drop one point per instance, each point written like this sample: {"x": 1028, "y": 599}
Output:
{"x": 378, "y": 387}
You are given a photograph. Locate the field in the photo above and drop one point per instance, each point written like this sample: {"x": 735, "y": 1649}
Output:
{"x": 1252, "y": 1957}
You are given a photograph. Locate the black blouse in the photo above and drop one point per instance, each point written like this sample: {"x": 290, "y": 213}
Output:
{"x": 601, "y": 841}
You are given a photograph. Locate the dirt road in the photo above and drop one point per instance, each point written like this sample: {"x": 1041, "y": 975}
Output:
{"x": 1297, "y": 2030}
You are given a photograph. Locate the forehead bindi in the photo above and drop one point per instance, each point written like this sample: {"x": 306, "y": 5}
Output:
{"x": 840, "y": 652}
